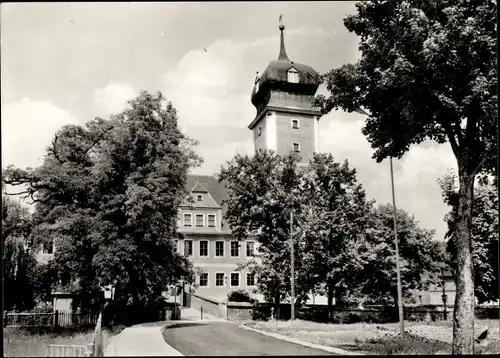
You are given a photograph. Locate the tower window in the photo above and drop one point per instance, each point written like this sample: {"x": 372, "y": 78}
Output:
{"x": 260, "y": 131}
{"x": 293, "y": 75}
{"x": 296, "y": 147}
{"x": 295, "y": 123}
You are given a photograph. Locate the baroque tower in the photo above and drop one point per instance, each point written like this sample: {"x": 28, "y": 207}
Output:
{"x": 286, "y": 120}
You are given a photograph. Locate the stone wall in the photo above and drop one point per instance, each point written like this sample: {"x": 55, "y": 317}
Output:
{"x": 239, "y": 311}
{"x": 209, "y": 306}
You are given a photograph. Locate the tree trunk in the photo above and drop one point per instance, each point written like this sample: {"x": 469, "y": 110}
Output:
{"x": 463, "y": 315}
{"x": 339, "y": 296}
{"x": 330, "y": 302}
{"x": 277, "y": 306}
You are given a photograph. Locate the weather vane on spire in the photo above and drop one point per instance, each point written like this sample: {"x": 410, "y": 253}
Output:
{"x": 281, "y": 20}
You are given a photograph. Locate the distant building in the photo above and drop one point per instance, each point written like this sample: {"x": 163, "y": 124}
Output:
{"x": 434, "y": 295}
{"x": 209, "y": 243}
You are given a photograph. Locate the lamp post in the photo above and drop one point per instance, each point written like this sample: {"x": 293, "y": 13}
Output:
{"x": 398, "y": 272}
{"x": 292, "y": 280}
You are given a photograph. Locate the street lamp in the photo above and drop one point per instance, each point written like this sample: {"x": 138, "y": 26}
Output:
{"x": 398, "y": 271}
{"x": 292, "y": 280}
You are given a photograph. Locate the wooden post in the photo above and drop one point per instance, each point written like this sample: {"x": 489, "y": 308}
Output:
{"x": 98, "y": 349}
{"x": 202, "y": 313}
{"x": 56, "y": 318}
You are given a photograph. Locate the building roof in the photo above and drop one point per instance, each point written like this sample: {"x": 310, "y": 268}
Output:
{"x": 276, "y": 74}
{"x": 198, "y": 188}
{"x": 212, "y": 186}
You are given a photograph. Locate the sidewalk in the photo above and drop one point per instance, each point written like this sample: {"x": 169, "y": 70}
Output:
{"x": 147, "y": 339}
{"x": 141, "y": 340}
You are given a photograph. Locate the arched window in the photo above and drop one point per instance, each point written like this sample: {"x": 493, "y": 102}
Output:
{"x": 293, "y": 75}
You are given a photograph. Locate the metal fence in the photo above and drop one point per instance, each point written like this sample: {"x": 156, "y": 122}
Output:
{"x": 94, "y": 349}
{"x": 55, "y": 319}
{"x": 61, "y": 350}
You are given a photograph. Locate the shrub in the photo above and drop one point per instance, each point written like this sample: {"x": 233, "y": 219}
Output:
{"x": 240, "y": 296}
{"x": 42, "y": 307}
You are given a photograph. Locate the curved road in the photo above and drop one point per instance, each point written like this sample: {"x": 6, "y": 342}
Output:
{"x": 225, "y": 338}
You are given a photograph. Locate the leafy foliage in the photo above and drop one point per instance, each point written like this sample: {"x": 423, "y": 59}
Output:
{"x": 109, "y": 193}
{"x": 428, "y": 71}
{"x": 421, "y": 258}
{"x": 262, "y": 190}
{"x": 484, "y": 233}
{"x": 332, "y": 226}
{"x": 239, "y": 296}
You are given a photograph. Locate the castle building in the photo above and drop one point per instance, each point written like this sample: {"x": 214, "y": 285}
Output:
{"x": 286, "y": 119}
{"x": 208, "y": 242}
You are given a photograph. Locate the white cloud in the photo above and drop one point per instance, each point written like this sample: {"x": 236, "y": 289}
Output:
{"x": 112, "y": 98}
{"x": 211, "y": 86}
{"x": 214, "y": 157}
{"x": 28, "y": 126}
{"x": 415, "y": 175}
{"x": 212, "y": 89}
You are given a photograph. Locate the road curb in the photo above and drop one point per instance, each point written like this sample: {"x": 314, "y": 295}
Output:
{"x": 111, "y": 346}
{"x": 302, "y": 343}
{"x": 176, "y": 352}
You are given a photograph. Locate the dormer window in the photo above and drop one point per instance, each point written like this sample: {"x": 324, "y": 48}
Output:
{"x": 293, "y": 75}
{"x": 199, "y": 197}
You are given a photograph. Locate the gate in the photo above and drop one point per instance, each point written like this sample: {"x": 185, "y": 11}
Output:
{"x": 66, "y": 350}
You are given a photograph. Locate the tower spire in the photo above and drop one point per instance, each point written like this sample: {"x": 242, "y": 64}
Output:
{"x": 282, "y": 55}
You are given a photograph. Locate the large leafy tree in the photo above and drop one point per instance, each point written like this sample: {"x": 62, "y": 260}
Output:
{"x": 421, "y": 258}
{"x": 16, "y": 219}
{"x": 333, "y": 224}
{"x": 108, "y": 193}
{"x": 428, "y": 70}
{"x": 18, "y": 262}
{"x": 263, "y": 189}
{"x": 484, "y": 233}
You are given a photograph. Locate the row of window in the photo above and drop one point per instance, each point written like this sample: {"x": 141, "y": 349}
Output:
{"x": 199, "y": 220}
{"x": 219, "y": 248}
{"x": 221, "y": 279}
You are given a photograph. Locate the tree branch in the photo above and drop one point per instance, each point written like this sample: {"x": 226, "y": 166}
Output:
{"x": 53, "y": 150}
{"x": 451, "y": 137}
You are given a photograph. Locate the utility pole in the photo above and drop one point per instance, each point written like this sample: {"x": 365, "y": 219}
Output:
{"x": 400, "y": 292}
{"x": 292, "y": 280}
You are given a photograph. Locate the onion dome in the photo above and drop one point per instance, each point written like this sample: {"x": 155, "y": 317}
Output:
{"x": 285, "y": 75}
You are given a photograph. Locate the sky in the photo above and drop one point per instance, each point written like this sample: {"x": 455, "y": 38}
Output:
{"x": 68, "y": 63}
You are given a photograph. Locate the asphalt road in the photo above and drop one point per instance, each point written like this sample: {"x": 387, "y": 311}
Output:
{"x": 225, "y": 338}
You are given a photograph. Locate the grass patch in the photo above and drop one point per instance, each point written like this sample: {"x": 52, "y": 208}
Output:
{"x": 19, "y": 342}
{"x": 421, "y": 337}
{"x": 33, "y": 342}
{"x": 411, "y": 344}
